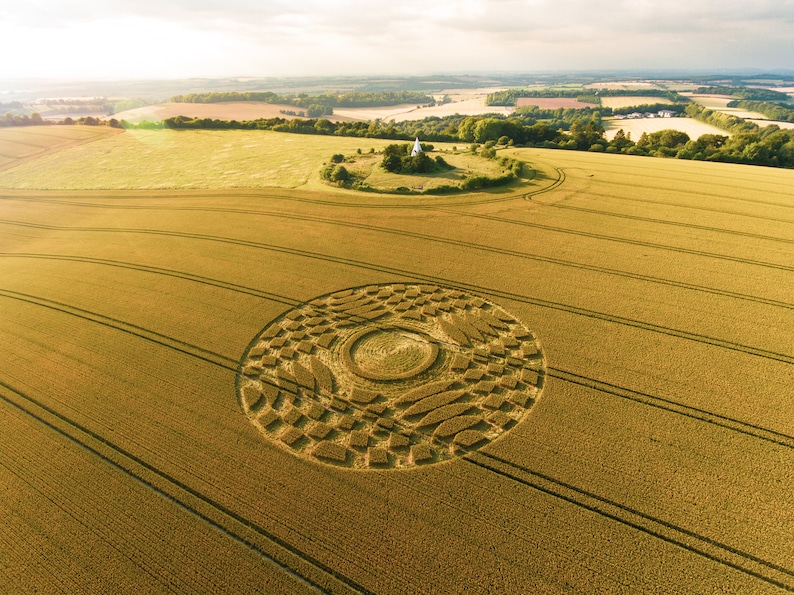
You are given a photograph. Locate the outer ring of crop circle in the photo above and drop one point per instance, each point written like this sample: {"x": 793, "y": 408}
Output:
{"x": 538, "y": 366}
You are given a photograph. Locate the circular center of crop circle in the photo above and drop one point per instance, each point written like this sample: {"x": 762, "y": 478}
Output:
{"x": 389, "y": 353}
{"x": 390, "y": 376}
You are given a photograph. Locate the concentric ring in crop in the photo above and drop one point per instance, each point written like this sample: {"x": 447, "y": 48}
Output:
{"x": 390, "y": 376}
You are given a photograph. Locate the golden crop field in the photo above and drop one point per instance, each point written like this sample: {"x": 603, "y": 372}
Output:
{"x": 631, "y": 101}
{"x": 580, "y": 385}
{"x": 636, "y": 126}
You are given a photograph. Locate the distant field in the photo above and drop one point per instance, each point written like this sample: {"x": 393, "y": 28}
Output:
{"x": 719, "y": 103}
{"x": 469, "y": 102}
{"x": 694, "y": 128}
{"x": 553, "y": 102}
{"x": 764, "y": 122}
{"x": 712, "y": 101}
{"x": 23, "y": 142}
{"x": 364, "y": 114}
{"x": 581, "y": 386}
{"x": 622, "y": 85}
{"x": 464, "y": 101}
{"x": 236, "y": 110}
{"x": 620, "y": 102}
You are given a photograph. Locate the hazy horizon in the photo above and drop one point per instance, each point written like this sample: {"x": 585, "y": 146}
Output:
{"x": 121, "y": 39}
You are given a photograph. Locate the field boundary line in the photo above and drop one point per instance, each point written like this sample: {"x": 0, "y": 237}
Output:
{"x": 690, "y": 541}
{"x": 221, "y": 518}
{"x": 681, "y": 334}
{"x": 722, "y": 421}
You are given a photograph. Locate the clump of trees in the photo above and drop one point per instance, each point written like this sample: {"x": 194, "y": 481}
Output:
{"x": 397, "y": 159}
{"x": 336, "y": 173}
{"x": 773, "y": 111}
{"x": 33, "y": 119}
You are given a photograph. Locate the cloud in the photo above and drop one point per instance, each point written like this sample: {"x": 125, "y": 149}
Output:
{"x": 281, "y": 37}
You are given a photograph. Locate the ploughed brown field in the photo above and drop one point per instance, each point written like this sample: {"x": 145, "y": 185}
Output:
{"x": 582, "y": 384}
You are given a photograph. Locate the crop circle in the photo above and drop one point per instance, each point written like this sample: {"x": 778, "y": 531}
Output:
{"x": 390, "y": 376}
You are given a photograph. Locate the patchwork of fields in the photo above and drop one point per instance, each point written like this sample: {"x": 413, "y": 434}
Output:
{"x": 646, "y": 310}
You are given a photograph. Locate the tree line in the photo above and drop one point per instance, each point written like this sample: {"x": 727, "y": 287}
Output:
{"x": 35, "y": 119}
{"x": 315, "y": 105}
{"x": 570, "y": 129}
{"x": 509, "y": 96}
{"x": 748, "y": 143}
{"x": 744, "y": 93}
{"x": 773, "y": 111}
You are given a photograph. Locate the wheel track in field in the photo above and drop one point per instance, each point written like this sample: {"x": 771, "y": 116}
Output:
{"x": 406, "y": 204}
{"x": 663, "y": 188}
{"x": 131, "y": 329}
{"x": 690, "y": 206}
{"x": 459, "y": 243}
{"x": 640, "y": 397}
{"x": 414, "y": 276}
{"x": 627, "y": 241}
{"x": 673, "y": 406}
{"x": 413, "y": 235}
{"x": 668, "y": 532}
{"x": 268, "y": 546}
{"x": 718, "y": 230}
{"x": 242, "y": 289}
{"x": 45, "y": 149}
{"x": 265, "y": 193}
{"x": 232, "y": 365}
{"x": 208, "y": 281}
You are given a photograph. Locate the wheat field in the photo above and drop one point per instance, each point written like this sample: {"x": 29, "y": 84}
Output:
{"x": 580, "y": 385}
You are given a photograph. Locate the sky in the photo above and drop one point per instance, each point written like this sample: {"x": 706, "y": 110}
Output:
{"x": 129, "y": 39}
